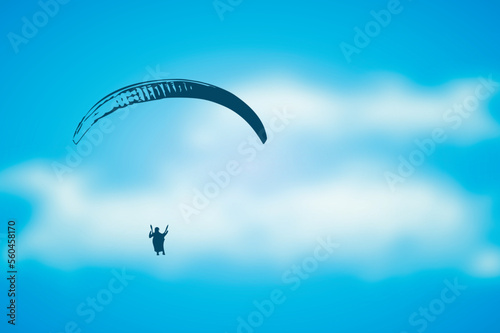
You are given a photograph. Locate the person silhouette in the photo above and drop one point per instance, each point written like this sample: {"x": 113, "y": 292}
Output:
{"x": 158, "y": 239}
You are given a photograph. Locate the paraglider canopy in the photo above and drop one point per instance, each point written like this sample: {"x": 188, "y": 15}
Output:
{"x": 160, "y": 89}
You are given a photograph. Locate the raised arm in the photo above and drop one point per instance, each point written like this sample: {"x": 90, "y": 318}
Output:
{"x": 150, "y": 234}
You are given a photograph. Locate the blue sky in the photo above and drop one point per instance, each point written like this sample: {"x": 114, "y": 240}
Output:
{"x": 374, "y": 199}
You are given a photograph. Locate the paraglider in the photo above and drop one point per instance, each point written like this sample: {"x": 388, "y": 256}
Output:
{"x": 158, "y": 239}
{"x": 160, "y": 89}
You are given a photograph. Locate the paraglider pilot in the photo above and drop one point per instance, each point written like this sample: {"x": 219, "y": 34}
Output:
{"x": 158, "y": 239}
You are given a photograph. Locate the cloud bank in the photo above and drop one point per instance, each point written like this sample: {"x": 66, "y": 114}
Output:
{"x": 320, "y": 174}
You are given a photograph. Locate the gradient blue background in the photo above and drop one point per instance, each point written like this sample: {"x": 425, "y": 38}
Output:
{"x": 92, "y": 47}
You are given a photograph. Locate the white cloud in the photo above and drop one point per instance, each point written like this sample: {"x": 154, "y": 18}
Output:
{"x": 273, "y": 212}
{"x": 382, "y": 107}
{"x": 75, "y": 225}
